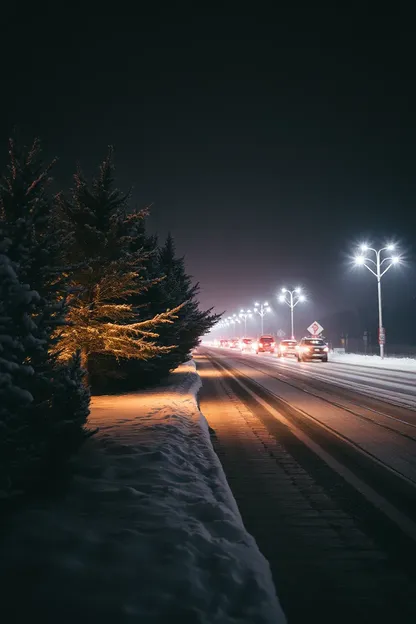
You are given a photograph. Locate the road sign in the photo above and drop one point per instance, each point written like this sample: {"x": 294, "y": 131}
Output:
{"x": 315, "y": 329}
{"x": 381, "y": 336}
{"x": 281, "y": 333}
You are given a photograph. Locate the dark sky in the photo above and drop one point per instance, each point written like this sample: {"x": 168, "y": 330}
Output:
{"x": 269, "y": 143}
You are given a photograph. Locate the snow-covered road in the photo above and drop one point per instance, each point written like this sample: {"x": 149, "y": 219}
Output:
{"x": 306, "y": 495}
{"x": 371, "y": 408}
{"x": 366, "y": 375}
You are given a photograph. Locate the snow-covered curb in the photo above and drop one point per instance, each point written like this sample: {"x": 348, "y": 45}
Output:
{"x": 392, "y": 363}
{"x": 149, "y": 531}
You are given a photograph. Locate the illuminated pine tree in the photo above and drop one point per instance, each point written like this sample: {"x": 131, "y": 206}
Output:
{"x": 102, "y": 319}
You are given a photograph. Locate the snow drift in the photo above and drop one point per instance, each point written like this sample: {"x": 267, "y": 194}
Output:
{"x": 392, "y": 363}
{"x": 149, "y": 531}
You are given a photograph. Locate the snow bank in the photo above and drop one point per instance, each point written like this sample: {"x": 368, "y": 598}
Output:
{"x": 404, "y": 364}
{"x": 149, "y": 531}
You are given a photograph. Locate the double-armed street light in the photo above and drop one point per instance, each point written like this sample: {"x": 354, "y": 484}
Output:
{"x": 245, "y": 314}
{"x": 262, "y": 309}
{"x": 380, "y": 262}
{"x": 292, "y": 298}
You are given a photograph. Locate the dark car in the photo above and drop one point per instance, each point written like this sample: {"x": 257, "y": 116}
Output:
{"x": 312, "y": 349}
{"x": 265, "y": 344}
{"x": 287, "y": 347}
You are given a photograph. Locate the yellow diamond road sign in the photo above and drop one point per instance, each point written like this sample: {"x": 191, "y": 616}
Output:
{"x": 315, "y": 329}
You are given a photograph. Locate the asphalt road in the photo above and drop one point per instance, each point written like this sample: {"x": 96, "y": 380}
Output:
{"x": 329, "y": 449}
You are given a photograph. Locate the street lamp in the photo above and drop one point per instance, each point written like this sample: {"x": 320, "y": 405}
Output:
{"x": 233, "y": 320}
{"x": 245, "y": 314}
{"x": 292, "y": 298}
{"x": 380, "y": 269}
{"x": 262, "y": 309}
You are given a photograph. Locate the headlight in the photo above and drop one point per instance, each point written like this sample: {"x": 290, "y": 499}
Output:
{"x": 306, "y": 349}
{"x": 326, "y": 349}
{"x": 282, "y": 348}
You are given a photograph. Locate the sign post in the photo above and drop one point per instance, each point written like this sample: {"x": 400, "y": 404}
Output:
{"x": 381, "y": 336}
{"x": 365, "y": 339}
{"x": 315, "y": 329}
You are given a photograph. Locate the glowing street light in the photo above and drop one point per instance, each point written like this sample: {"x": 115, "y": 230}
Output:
{"x": 262, "y": 309}
{"x": 292, "y": 298}
{"x": 233, "y": 320}
{"x": 381, "y": 265}
{"x": 245, "y": 314}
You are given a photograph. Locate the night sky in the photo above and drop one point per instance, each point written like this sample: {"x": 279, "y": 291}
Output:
{"x": 269, "y": 143}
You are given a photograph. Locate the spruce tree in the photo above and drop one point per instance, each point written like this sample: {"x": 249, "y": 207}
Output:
{"x": 28, "y": 220}
{"x": 43, "y": 406}
{"x": 102, "y": 318}
{"x": 175, "y": 288}
{"x": 34, "y": 386}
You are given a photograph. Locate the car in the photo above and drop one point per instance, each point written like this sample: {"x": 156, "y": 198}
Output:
{"x": 312, "y": 349}
{"x": 287, "y": 347}
{"x": 223, "y": 343}
{"x": 247, "y": 345}
{"x": 234, "y": 343}
{"x": 265, "y": 344}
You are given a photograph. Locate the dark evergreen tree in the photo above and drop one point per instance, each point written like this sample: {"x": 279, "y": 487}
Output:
{"x": 174, "y": 289}
{"x": 28, "y": 220}
{"x": 43, "y": 406}
{"x": 34, "y": 387}
{"x": 104, "y": 322}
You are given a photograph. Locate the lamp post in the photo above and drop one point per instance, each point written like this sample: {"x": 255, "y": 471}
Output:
{"x": 292, "y": 298}
{"x": 262, "y": 309}
{"x": 380, "y": 269}
{"x": 236, "y": 322}
{"x": 245, "y": 314}
{"x": 233, "y": 320}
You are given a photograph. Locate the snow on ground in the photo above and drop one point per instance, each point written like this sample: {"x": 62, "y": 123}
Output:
{"x": 404, "y": 363}
{"x": 149, "y": 531}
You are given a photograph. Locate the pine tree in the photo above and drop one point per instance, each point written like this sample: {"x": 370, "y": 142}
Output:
{"x": 28, "y": 220}
{"x": 32, "y": 308}
{"x": 43, "y": 407}
{"x": 174, "y": 289}
{"x": 102, "y": 320}
{"x": 178, "y": 287}
{"x": 19, "y": 339}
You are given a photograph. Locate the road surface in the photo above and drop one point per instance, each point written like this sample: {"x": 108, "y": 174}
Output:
{"x": 321, "y": 458}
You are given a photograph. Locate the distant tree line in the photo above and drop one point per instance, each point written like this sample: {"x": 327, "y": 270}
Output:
{"x": 88, "y": 300}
